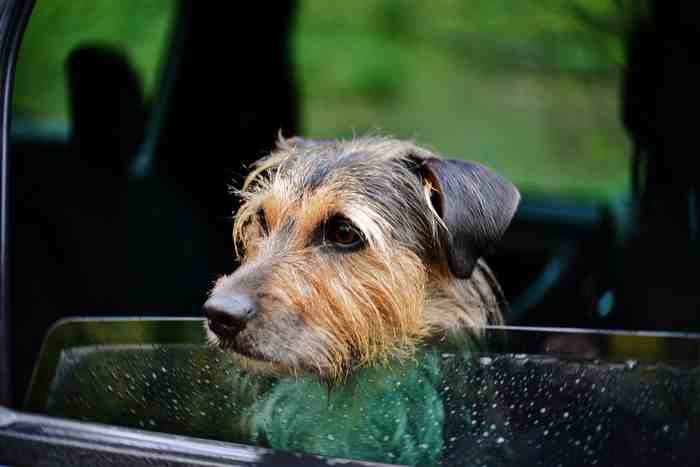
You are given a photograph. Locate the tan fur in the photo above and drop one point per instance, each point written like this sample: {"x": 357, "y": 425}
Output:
{"x": 327, "y": 313}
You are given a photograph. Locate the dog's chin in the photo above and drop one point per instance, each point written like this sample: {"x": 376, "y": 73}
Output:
{"x": 260, "y": 366}
{"x": 248, "y": 360}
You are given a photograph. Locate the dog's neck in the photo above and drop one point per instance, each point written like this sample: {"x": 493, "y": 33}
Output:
{"x": 455, "y": 307}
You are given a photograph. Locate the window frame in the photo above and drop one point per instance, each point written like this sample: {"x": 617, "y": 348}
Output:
{"x": 14, "y": 15}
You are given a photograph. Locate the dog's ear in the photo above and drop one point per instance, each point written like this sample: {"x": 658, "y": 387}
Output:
{"x": 475, "y": 204}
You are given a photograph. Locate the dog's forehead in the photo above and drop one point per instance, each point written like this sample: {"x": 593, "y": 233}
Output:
{"x": 312, "y": 169}
{"x": 326, "y": 181}
{"x": 346, "y": 169}
{"x": 377, "y": 190}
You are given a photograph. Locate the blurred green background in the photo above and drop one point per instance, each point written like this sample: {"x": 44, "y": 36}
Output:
{"x": 527, "y": 87}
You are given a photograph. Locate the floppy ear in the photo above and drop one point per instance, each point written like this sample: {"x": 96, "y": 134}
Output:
{"x": 475, "y": 204}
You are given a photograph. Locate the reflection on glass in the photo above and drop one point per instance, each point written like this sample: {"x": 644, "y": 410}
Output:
{"x": 444, "y": 407}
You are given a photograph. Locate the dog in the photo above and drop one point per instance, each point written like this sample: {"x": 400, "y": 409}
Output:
{"x": 353, "y": 253}
{"x": 356, "y": 255}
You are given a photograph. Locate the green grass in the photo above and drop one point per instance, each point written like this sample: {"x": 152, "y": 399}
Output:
{"x": 528, "y": 87}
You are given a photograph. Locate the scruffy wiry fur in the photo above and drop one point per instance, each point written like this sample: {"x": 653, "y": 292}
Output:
{"x": 324, "y": 311}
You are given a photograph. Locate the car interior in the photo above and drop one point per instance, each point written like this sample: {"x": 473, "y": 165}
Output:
{"x": 120, "y": 204}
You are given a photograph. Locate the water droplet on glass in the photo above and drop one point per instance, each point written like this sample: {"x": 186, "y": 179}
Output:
{"x": 485, "y": 360}
{"x": 330, "y": 438}
{"x": 566, "y": 414}
{"x": 500, "y": 440}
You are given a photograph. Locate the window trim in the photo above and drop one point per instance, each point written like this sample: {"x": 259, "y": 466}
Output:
{"x": 14, "y": 15}
{"x": 47, "y": 440}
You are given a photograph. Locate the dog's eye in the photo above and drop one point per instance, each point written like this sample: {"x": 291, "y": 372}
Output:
{"x": 262, "y": 222}
{"x": 343, "y": 233}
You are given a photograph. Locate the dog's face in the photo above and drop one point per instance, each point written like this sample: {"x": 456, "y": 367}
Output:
{"x": 341, "y": 245}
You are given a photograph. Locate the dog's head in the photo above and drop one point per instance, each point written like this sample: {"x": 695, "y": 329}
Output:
{"x": 343, "y": 244}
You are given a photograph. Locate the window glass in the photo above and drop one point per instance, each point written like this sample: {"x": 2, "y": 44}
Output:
{"x": 574, "y": 398}
{"x": 444, "y": 409}
{"x": 139, "y": 30}
{"x": 530, "y": 88}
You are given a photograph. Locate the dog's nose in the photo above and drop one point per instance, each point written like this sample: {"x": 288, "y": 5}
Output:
{"x": 228, "y": 314}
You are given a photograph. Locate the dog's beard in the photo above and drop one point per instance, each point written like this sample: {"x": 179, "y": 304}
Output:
{"x": 249, "y": 361}
{"x": 333, "y": 320}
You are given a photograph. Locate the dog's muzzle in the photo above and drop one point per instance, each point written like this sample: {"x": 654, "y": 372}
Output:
{"x": 228, "y": 314}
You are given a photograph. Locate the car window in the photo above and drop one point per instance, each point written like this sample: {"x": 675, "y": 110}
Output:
{"x": 485, "y": 404}
{"x": 442, "y": 73}
{"x": 530, "y": 88}
{"x": 137, "y": 30}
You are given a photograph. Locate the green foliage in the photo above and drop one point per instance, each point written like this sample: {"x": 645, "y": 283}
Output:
{"x": 530, "y": 88}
